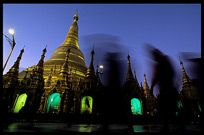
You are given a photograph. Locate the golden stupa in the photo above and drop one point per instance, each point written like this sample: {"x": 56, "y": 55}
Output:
{"x": 76, "y": 62}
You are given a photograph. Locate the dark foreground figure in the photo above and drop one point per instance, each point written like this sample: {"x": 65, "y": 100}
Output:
{"x": 167, "y": 99}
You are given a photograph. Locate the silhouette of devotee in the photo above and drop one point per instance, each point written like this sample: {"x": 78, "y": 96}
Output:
{"x": 163, "y": 76}
{"x": 113, "y": 105}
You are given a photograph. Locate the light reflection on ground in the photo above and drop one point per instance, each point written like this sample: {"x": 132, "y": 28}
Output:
{"x": 65, "y": 127}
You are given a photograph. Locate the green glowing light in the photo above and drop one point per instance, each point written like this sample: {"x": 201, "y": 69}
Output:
{"x": 199, "y": 107}
{"x": 53, "y": 102}
{"x": 86, "y": 105}
{"x": 20, "y": 102}
{"x": 179, "y": 104}
{"x": 136, "y": 107}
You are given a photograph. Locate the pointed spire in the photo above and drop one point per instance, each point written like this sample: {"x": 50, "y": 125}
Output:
{"x": 64, "y": 75}
{"x": 185, "y": 76}
{"x": 129, "y": 75}
{"x": 15, "y": 67}
{"x": 41, "y": 61}
{"x": 36, "y": 74}
{"x": 49, "y": 79}
{"x": 11, "y": 77}
{"x": 65, "y": 68}
{"x": 146, "y": 88}
{"x": 90, "y": 70}
{"x": 72, "y": 36}
{"x": 145, "y": 83}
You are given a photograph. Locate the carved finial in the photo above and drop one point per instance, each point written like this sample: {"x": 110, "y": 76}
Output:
{"x": 22, "y": 50}
{"x": 92, "y": 52}
{"x": 76, "y": 17}
{"x": 128, "y": 56}
{"x": 45, "y": 50}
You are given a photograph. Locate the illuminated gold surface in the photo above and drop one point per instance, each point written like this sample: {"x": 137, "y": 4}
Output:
{"x": 76, "y": 62}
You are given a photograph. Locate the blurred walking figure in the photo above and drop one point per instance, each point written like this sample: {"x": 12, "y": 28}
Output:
{"x": 163, "y": 76}
{"x": 113, "y": 104}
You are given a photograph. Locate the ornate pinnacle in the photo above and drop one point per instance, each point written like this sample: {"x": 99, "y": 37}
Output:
{"x": 129, "y": 72}
{"x": 41, "y": 61}
{"x": 17, "y": 62}
{"x": 91, "y": 70}
{"x": 185, "y": 76}
{"x": 65, "y": 68}
{"x": 146, "y": 87}
{"x": 49, "y": 79}
{"x": 76, "y": 17}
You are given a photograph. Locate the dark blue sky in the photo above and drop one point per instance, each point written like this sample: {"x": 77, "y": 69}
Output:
{"x": 172, "y": 28}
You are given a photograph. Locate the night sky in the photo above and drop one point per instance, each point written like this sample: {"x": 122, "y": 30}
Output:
{"x": 124, "y": 28}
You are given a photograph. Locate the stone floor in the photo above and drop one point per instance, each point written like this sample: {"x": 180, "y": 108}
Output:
{"x": 96, "y": 128}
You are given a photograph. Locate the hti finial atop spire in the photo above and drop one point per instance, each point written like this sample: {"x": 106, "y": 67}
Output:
{"x": 76, "y": 17}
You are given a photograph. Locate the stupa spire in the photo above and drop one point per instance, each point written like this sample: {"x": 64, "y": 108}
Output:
{"x": 90, "y": 70}
{"x": 65, "y": 68}
{"x": 15, "y": 67}
{"x": 145, "y": 83}
{"x": 185, "y": 76}
{"x": 11, "y": 77}
{"x": 72, "y": 36}
{"x": 36, "y": 74}
{"x": 129, "y": 75}
{"x": 41, "y": 61}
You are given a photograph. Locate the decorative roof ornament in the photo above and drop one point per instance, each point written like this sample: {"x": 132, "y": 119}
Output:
{"x": 76, "y": 17}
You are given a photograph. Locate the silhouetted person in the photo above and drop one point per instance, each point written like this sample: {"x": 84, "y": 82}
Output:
{"x": 113, "y": 105}
{"x": 164, "y": 75}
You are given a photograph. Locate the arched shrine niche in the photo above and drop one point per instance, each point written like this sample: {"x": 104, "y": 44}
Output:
{"x": 20, "y": 102}
{"x": 136, "y": 107}
{"x": 53, "y": 103}
{"x": 86, "y": 105}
